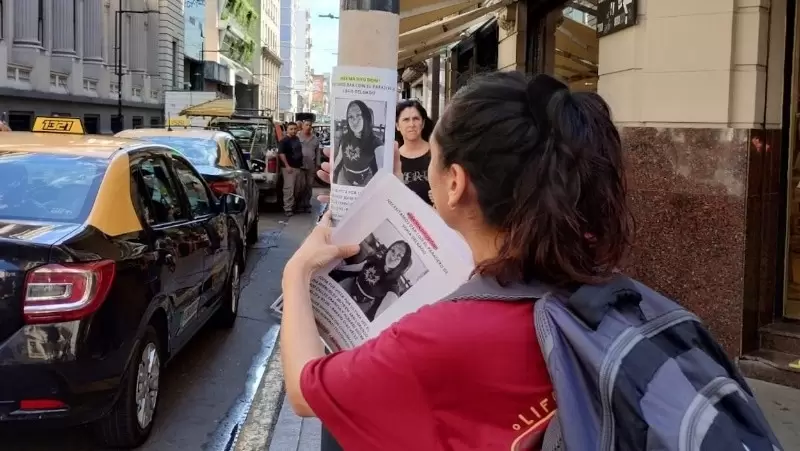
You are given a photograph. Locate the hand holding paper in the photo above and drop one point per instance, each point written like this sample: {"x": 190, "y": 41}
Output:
{"x": 407, "y": 257}
{"x": 317, "y": 251}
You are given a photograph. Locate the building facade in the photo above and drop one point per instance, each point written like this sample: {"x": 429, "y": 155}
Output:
{"x": 301, "y": 56}
{"x": 61, "y": 58}
{"x": 287, "y": 101}
{"x": 230, "y": 31}
{"x": 320, "y": 95}
{"x": 194, "y": 45}
{"x": 267, "y": 61}
{"x": 706, "y": 96}
{"x": 709, "y": 123}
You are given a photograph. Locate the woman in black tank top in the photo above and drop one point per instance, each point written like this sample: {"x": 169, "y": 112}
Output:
{"x": 413, "y": 130}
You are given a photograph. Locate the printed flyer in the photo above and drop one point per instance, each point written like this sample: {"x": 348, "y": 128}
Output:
{"x": 362, "y": 131}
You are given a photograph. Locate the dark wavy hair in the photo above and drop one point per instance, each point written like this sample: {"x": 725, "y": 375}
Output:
{"x": 547, "y": 167}
{"x": 427, "y": 128}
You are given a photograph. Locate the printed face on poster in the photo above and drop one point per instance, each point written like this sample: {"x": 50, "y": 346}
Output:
{"x": 362, "y": 130}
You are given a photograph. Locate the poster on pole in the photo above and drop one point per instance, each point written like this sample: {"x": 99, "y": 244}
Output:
{"x": 362, "y": 130}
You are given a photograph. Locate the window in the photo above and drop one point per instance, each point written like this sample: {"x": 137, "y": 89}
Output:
{"x": 89, "y": 85}
{"x": 40, "y": 21}
{"x": 199, "y": 151}
{"x": 114, "y": 88}
{"x": 91, "y": 123}
{"x": 20, "y": 121}
{"x": 75, "y": 25}
{"x": 117, "y": 124}
{"x": 49, "y": 187}
{"x": 19, "y": 74}
{"x": 58, "y": 80}
{"x": 174, "y": 64}
{"x": 236, "y": 157}
{"x": 195, "y": 188}
{"x": 154, "y": 94}
{"x": 157, "y": 193}
{"x": 138, "y": 122}
{"x": 2, "y": 19}
{"x": 155, "y": 122}
{"x": 137, "y": 92}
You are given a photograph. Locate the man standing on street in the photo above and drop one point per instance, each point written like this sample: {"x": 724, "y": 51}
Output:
{"x": 310, "y": 144}
{"x": 291, "y": 155}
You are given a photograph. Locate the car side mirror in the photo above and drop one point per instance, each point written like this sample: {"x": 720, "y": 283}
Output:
{"x": 234, "y": 204}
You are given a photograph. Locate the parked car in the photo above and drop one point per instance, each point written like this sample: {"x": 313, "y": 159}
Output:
{"x": 113, "y": 254}
{"x": 218, "y": 157}
{"x": 258, "y": 137}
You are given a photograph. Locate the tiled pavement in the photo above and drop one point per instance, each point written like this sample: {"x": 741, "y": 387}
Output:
{"x": 293, "y": 433}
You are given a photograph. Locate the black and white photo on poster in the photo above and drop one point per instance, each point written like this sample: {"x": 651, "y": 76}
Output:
{"x": 359, "y": 128}
{"x": 385, "y": 268}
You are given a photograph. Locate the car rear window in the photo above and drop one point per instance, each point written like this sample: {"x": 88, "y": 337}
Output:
{"x": 47, "y": 187}
{"x": 200, "y": 151}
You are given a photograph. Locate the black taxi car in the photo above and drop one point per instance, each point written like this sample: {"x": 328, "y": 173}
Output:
{"x": 218, "y": 158}
{"x": 113, "y": 254}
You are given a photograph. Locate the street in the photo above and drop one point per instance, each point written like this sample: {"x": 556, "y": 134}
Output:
{"x": 207, "y": 389}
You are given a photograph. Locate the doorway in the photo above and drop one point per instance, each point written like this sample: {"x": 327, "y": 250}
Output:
{"x": 20, "y": 121}
{"x": 791, "y": 298}
{"x": 91, "y": 122}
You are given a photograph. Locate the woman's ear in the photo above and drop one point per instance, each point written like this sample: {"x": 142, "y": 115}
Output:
{"x": 457, "y": 183}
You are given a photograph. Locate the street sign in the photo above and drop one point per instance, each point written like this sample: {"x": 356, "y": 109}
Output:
{"x": 615, "y": 15}
{"x": 60, "y": 125}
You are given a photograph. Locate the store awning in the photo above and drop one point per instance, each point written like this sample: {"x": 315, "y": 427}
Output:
{"x": 216, "y": 108}
{"x": 576, "y": 59}
{"x": 428, "y": 26}
{"x": 419, "y": 13}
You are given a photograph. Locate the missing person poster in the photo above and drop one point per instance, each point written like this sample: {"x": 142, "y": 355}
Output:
{"x": 362, "y": 130}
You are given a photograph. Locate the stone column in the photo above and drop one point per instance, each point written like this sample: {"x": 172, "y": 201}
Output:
{"x": 126, "y": 39}
{"x": 153, "y": 30}
{"x": 137, "y": 43}
{"x": 47, "y": 27}
{"x": 26, "y": 23}
{"x": 378, "y": 19}
{"x": 80, "y": 25}
{"x": 64, "y": 27}
{"x": 8, "y": 19}
{"x": 93, "y": 11}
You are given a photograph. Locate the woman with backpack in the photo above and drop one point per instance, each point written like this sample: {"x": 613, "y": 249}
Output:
{"x": 531, "y": 175}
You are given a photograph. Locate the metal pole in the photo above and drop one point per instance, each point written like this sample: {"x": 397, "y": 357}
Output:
{"x": 119, "y": 68}
{"x": 203, "y": 64}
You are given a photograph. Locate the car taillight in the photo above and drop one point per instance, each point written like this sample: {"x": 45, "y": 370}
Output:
{"x": 36, "y": 405}
{"x": 66, "y": 292}
{"x": 272, "y": 165}
{"x": 223, "y": 187}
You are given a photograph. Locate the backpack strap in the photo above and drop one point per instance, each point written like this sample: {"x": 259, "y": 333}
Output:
{"x": 591, "y": 302}
{"x": 487, "y": 288}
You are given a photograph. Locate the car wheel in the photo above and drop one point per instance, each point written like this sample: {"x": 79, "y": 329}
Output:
{"x": 229, "y": 310}
{"x": 252, "y": 233}
{"x": 131, "y": 420}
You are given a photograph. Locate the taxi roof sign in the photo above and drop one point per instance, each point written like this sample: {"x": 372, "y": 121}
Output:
{"x": 61, "y": 125}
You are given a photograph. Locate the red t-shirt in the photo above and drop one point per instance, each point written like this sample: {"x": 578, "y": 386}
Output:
{"x": 465, "y": 375}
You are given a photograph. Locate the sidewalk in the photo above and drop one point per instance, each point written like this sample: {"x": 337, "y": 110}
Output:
{"x": 781, "y": 405}
{"x": 293, "y": 433}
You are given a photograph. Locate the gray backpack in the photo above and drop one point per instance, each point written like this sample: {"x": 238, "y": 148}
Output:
{"x": 634, "y": 371}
